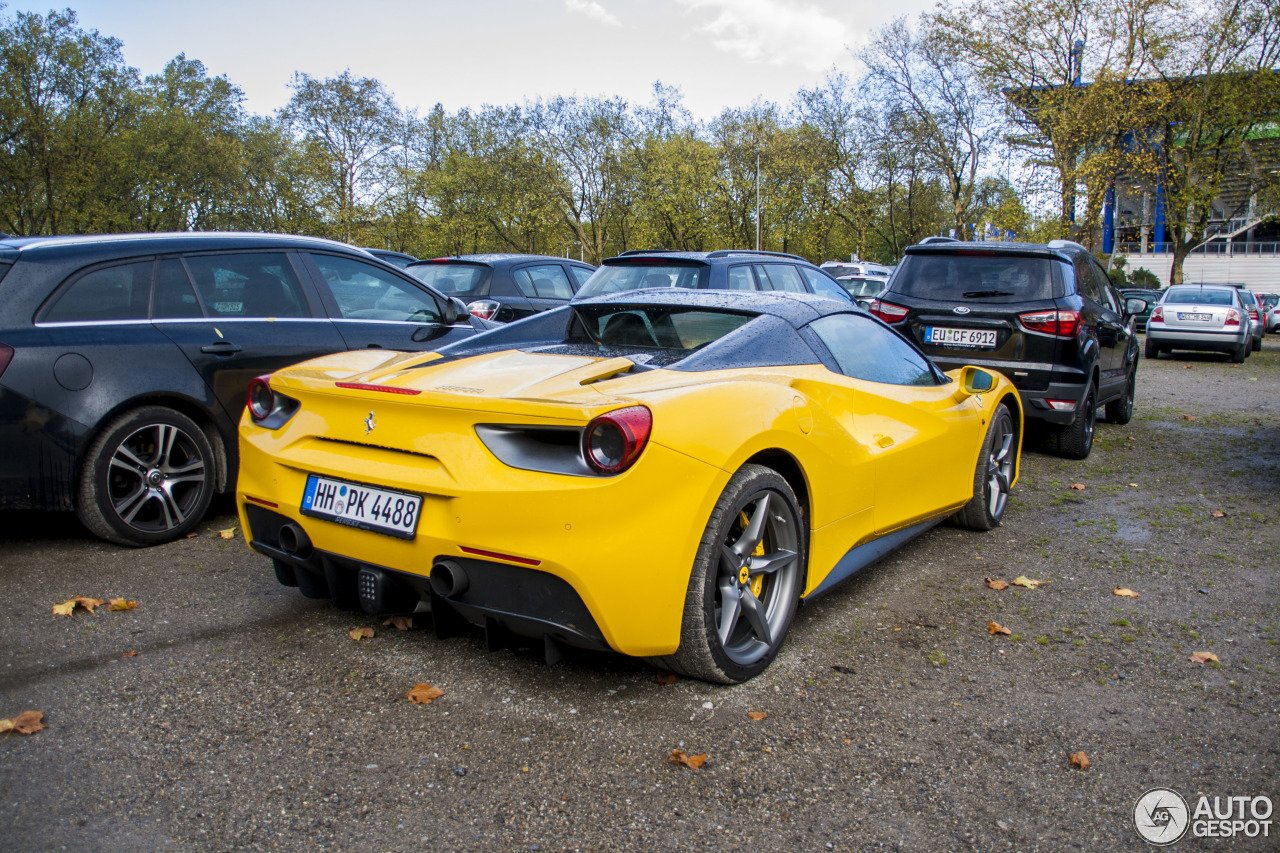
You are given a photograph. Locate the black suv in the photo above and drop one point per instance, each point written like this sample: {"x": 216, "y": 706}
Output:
{"x": 727, "y": 269}
{"x": 1046, "y": 316}
{"x": 504, "y": 287}
{"x": 125, "y": 359}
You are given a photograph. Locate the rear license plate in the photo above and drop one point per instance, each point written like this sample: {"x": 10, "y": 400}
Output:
{"x": 358, "y": 505}
{"x": 1204, "y": 318}
{"x": 939, "y": 336}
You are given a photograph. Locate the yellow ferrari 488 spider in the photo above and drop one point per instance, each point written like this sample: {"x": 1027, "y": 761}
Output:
{"x": 663, "y": 473}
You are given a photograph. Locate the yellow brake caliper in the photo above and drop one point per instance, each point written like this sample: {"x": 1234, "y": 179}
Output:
{"x": 757, "y": 583}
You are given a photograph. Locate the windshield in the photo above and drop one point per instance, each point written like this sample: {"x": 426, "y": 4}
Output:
{"x": 453, "y": 279}
{"x": 616, "y": 278}
{"x": 1198, "y": 296}
{"x": 955, "y": 276}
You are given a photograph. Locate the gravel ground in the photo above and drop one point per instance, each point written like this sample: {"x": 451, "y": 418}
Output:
{"x": 250, "y": 720}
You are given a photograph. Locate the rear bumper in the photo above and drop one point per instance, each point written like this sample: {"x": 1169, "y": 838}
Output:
{"x": 1214, "y": 341}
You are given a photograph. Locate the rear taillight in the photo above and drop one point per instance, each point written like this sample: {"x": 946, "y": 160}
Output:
{"x": 1060, "y": 324}
{"x": 613, "y": 441}
{"x": 484, "y": 308}
{"x": 887, "y": 311}
{"x": 1157, "y": 316}
{"x": 1253, "y": 315}
{"x": 259, "y": 399}
{"x": 1233, "y": 317}
{"x": 6, "y": 356}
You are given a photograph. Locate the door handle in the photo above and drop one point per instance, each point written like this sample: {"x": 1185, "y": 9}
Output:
{"x": 221, "y": 348}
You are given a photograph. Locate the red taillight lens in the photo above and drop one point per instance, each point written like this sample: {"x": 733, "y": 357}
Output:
{"x": 1157, "y": 316}
{"x": 613, "y": 441}
{"x": 1253, "y": 315}
{"x": 6, "y": 356}
{"x": 259, "y": 398}
{"x": 1060, "y": 324}
{"x": 1233, "y": 317}
{"x": 484, "y": 308}
{"x": 887, "y": 311}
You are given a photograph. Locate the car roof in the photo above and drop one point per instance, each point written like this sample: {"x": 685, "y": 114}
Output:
{"x": 1063, "y": 249}
{"x": 496, "y": 258}
{"x": 173, "y": 241}
{"x": 704, "y": 257}
{"x": 797, "y": 309}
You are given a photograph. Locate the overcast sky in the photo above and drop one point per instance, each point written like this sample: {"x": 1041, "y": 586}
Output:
{"x": 719, "y": 53}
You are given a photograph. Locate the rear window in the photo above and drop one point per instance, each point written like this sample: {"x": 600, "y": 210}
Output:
{"x": 1197, "y": 296}
{"x": 952, "y": 277}
{"x": 460, "y": 280}
{"x": 655, "y": 327}
{"x": 616, "y": 278}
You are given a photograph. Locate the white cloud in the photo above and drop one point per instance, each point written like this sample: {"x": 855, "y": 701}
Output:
{"x": 777, "y": 32}
{"x": 592, "y": 10}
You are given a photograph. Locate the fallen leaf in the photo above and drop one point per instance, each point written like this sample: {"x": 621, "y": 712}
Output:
{"x": 192, "y": 535}
{"x": 848, "y": 740}
{"x": 1133, "y": 485}
{"x": 694, "y": 761}
{"x": 1217, "y": 513}
{"x": 996, "y": 584}
{"x": 1079, "y": 487}
{"x": 997, "y": 628}
{"x": 1188, "y": 417}
{"x": 121, "y": 604}
{"x": 26, "y": 723}
{"x": 847, "y": 670}
{"x": 1080, "y": 760}
{"x": 1202, "y": 657}
{"x": 757, "y": 715}
{"x": 665, "y": 678}
{"x": 1132, "y": 437}
{"x": 1124, "y": 591}
{"x": 361, "y": 633}
{"x": 1023, "y": 580}
{"x": 130, "y": 654}
{"x": 1186, "y": 367}
{"x": 67, "y": 608}
{"x": 402, "y": 623}
{"x": 422, "y": 694}
{"x": 229, "y": 533}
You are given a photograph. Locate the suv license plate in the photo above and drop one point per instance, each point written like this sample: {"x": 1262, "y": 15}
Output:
{"x": 939, "y": 336}
{"x": 358, "y": 505}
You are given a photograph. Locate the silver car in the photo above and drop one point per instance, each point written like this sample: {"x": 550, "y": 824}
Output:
{"x": 1200, "y": 317}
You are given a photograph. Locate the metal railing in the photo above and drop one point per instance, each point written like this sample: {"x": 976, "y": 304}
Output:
{"x": 1233, "y": 250}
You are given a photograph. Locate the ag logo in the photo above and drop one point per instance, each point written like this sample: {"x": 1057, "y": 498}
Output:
{"x": 1161, "y": 816}
{"x": 960, "y": 309}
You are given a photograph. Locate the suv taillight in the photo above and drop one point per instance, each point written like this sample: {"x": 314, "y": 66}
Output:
{"x": 1233, "y": 317}
{"x": 1060, "y": 324}
{"x": 613, "y": 441}
{"x": 6, "y": 356}
{"x": 484, "y": 308}
{"x": 1157, "y": 316}
{"x": 887, "y": 311}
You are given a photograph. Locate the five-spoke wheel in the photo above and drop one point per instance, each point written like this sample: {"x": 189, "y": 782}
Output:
{"x": 995, "y": 471}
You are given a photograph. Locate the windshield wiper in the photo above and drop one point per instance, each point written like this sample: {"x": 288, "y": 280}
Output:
{"x": 975, "y": 294}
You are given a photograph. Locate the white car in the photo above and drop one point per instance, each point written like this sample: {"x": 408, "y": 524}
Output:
{"x": 1200, "y": 317}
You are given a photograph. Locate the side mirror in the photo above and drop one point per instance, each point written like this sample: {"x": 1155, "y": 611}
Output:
{"x": 1133, "y": 305}
{"x": 454, "y": 310}
{"x": 975, "y": 380}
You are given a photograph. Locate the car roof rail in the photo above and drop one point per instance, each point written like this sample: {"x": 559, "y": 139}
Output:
{"x": 728, "y": 253}
{"x": 1066, "y": 244}
{"x": 643, "y": 252}
{"x": 937, "y": 238}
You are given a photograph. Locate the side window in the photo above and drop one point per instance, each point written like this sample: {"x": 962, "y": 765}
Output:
{"x": 1086, "y": 283}
{"x": 249, "y": 285}
{"x": 782, "y": 277}
{"x": 366, "y": 292}
{"x": 580, "y": 275}
{"x": 174, "y": 298}
{"x": 865, "y": 350}
{"x": 740, "y": 278}
{"x": 823, "y": 285}
{"x": 1109, "y": 299}
{"x": 544, "y": 281}
{"x": 107, "y": 293}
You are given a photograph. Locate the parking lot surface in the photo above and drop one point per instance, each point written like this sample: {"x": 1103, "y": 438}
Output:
{"x": 249, "y": 719}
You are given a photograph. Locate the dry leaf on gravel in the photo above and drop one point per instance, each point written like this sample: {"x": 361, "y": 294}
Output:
{"x": 192, "y": 535}
{"x": 1131, "y": 437}
{"x": 665, "y": 678}
{"x": 229, "y": 533}
{"x": 1188, "y": 417}
{"x": 1080, "y": 760}
{"x": 694, "y": 761}
{"x": 130, "y": 654}
{"x": 401, "y": 623}
{"x": 1187, "y": 366}
{"x": 1203, "y": 657}
{"x": 67, "y": 608}
{"x": 757, "y": 715}
{"x": 1023, "y": 580}
{"x": 996, "y": 584}
{"x": 1124, "y": 591}
{"x": 997, "y": 628}
{"x": 1079, "y": 487}
{"x": 361, "y": 633}
{"x": 1133, "y": 485}
{"x": 422, "y": 694}
{"x": 26, "y": 723}
{"x": 121, "y": 604}
{"x": 1217, "y": 513}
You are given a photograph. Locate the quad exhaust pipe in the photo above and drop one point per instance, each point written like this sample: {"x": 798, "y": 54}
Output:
{"x": 448, "y": 579}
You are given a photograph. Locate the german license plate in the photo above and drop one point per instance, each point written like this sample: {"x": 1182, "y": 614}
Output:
{"x": 1204, "y": 318}
{"x": 939, "y": 336}
{"x": 358, "y": 505}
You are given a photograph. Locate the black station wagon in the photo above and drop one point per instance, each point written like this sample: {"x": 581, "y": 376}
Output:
{"x": 124, "y": 360}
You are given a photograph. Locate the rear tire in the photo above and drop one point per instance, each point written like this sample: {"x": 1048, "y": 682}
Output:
{"x": 996, "y": 466}
{"x": 1120, "y": 411}
{"x": 1151, "y": 351}
{"x": 1075, "y": 440}
{"x": 1239, "y": 354}
{"x": 1257, "y": 344}
{"x": 746, "y": 581}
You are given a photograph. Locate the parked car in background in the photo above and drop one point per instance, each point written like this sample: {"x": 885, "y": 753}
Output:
{"x": 1257, "y": 319}
{"x": 396, "y": 259}
{"x": 504, "y": 287}
{"x": 1200, "y": 317}
{"x": 1151, "y": 297}
{"x": 862, "y": 288}
{"x": 1046, "y": 316}
{"x": 728, "y": 269}
{"x": 124, "y": 360}
{"x": 863, "y": 269}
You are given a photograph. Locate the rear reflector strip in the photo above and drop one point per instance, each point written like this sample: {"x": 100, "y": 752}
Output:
{"x": 261, "y": 501}
{"x": 1062, "y": 405}
{"x": 387, "y": 389}
{"x": 524, "y": 561}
